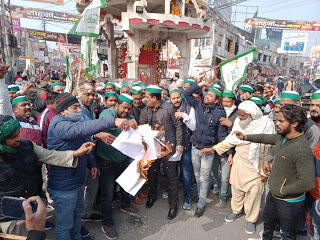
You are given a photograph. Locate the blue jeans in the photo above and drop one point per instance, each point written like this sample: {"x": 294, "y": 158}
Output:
{"x": 187, "y": 174}
{"x": 221, "y": 172}
{"x": 68, "y": 206}
{"x": 109, "y": 171}
{"x": 202, "y": 167}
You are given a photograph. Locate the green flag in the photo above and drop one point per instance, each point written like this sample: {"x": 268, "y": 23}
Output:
{"x": 68, "y": 88}
{"x": 88, "y": 24}
{"x": 233, "y": 70}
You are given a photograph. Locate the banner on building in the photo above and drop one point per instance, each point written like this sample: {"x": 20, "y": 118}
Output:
{"x": 42, "y": 14}
{"x": 282, "y": 24}
{"x": 293, "y": 43}
{"x": 57, "y": 2}
{"x": 233, "y": 70}
{"x": 16, "y": 25}
{"x": 42, "y": 35}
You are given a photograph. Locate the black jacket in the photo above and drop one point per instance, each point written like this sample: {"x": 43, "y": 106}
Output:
{"x": 187, "y": 133}
{"x": 208, "y": 131}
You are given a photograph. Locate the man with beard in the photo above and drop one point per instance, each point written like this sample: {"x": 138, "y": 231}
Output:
{"x": 292, "y": 175}
{"x": 29, "y": 127}
{"x": 311, "y": 131}
{"x": 222, "y": 162}
{"x": 315, "y": 107}
{"x": 138, "y": 105}
{"x": 111, "y": 164}
{"x": 161, "y": 115}
{"x": 208, "y": 132}
{"x": 56, "y": 87}
{"x": 182, "y": 109}
{"x": 110, "y": 99}
{"x": 246, "y": 176}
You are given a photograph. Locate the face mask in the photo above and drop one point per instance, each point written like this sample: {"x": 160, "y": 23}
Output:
{"x": 75, "y": 117}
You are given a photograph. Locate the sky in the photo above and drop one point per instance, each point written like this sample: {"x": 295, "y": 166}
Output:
{"x": 308, "y": 10}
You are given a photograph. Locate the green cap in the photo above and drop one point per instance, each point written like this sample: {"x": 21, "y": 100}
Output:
{"x": 190, "y": 81}
{"x": 136, "y": 90}
{"x": 94, "y": 104}
{"x": 125, "y": 86}
{"x": 256, "y": 100}
{"x": 246, "y": 88}
{"x": 19, "y": 99}
{"x": 228, "y": 94}
{"x": 55, "y": 84}
{"x": 177, "y": 90}
{"x": 13, "y": 87}
{"x": 117, "y": 86}
{"x": 278, "y": 101}
{"x": 110, "y": 84}
{"x": 136, "y": 84}
{"x": 110, "y": 94}
{"x": 216, "y": 91}
{"x": 126, "y": 98}
{"x": 292, "y": 95}
{"x": 316, "y": 95}
{"x": 154, "y": 89}
{"x": 143, "y": 84}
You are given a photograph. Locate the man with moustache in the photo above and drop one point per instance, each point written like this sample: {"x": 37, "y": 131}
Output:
{"x": 110, "y": 99}
{"x": 246, "y": 176}
{"x": 138, "y": 105}
{"x": 292, "y": 175}
{"x": 182, "y": 112}
{"x": 315, "y": 107}
{"x": 29, "y": 127}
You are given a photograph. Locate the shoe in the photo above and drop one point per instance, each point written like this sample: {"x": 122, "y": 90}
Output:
{"x": 131, "y": 210}
{"x": 232, "y": 216}
{"x": 172, "y": 213}
{"x": 84, "y": 232}
{"x": 276, "y": 234}
{"x": 48, "y": 225}
{"x": 110, "y": 232}
{"x": 94, "y": 217}
{"x": 143, "y": 195}
{"x": 222, "y": 203}
{"x": 150, "y": 202}
{"x": 186, "y": 206}
{"x": 137, "y": 200}
{"x": 250, "y": 228}
{"x": 199, "y": 212}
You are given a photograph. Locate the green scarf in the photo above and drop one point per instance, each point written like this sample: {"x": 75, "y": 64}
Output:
{"x": 8, "y": 129}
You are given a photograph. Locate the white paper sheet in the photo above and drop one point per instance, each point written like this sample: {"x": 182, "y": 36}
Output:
{"x": 175, "y": 157}
{"x": 130, "y": 144}
{"x": 130, "y": 179}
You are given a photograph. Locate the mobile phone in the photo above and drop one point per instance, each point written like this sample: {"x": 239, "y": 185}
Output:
{"x": 12, "y": 207}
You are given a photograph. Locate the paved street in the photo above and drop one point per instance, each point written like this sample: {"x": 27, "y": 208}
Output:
{"x": 155, "y": 226}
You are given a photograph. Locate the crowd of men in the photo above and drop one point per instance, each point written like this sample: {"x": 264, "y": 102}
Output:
{"x": 255, "y": 146}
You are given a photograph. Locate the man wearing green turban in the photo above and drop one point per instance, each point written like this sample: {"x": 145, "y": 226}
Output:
{"x": 18, "y": 165}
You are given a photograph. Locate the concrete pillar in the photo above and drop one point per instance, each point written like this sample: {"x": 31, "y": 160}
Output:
{"x": 167, "y": 7}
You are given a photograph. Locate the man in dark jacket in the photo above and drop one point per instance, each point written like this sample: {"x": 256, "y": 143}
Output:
{"x": 208, "y": 131}
{"x": 18, "y": 166}
{"x": 112, "y": 163}
{"x": 186, "y": 164}
{"x": 66, "y": 186}
{"x": 160, "y": 115}
{"x": 292, "y": 175}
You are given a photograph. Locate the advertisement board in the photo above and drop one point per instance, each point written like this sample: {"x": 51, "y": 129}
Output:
{"x": 282, "y": 24}
{"x": 42, "y": 35}
{"x": 315, "y": 53}
{"x": 293, "y": 43}
{"x": 42, "y": 14}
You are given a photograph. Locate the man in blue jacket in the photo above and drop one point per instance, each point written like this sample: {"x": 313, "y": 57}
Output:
{"x": 66, "y": 186}
{"x": 208, "y": 131}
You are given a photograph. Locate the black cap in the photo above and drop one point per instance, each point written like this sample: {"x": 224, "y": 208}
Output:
{"x": 65, "y": 100}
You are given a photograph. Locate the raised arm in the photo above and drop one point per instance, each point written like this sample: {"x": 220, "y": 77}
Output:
{"x": 263, "y": 138}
